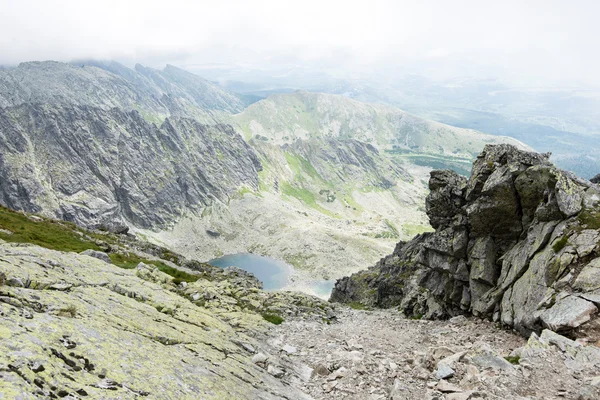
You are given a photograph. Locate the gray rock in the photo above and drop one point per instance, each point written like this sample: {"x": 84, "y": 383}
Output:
{"x": 289, "y": 349}
{"x": 259, "y": 358}
{"x": 568, "y": 313}
{"x": 276, "y": 371}
{"x": 589, "y": 278}
{"x": 506, "y": 244}
{"x": 82, "y": 136}
{"x": 97, "y": 254}
{"x": 443, "y": 371}
{"x": 491, "y": 361}
{"x": 399, "y": 391}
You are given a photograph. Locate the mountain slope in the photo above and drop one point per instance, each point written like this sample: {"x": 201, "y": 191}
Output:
{"x": 283, "y": 118}
{"x": 117, "y": 321}
{"x": 154, "y": 93}
{"x": 323, "y": 182}
{"x": 91, "y": 165}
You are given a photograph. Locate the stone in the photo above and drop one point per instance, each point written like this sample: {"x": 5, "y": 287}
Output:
{"x": 97, "y": 254}
{"x": 506, "y": 243}
{"x": 444, "y": 372}
{"x": 276, "y": 371}
{"x": 568, "y": 313}
{"x": 37, "y": 367}
{"x": 446, "y": 387}
{"x": 398, "y": 391}
{"x": 289, "y": 349}
{"x": 108, "y": 384}
{"x": 259, "y": 358}
{"x": 320, "y": 369}
{"x": 450, "y": 360}
{"x": 492, "y": 361}
{"x": 569, "y": 195}
{"x": 14, "y": 282}
{"x": 329, "y": 386}
{"x": 338, "y": 373}
{"x": 553, "y": 338}
{"x": 589, "y": 278}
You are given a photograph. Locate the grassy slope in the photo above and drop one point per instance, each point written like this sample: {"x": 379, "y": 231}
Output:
{"x": 286, "y": 117}
{"x": 17, "y": 227}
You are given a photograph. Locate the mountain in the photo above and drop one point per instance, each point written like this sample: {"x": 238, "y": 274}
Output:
{"x": 561, "y": 120}
{"x": 89, "y": 314}
{"x": 154, "y": 94}
{"x": 518, "y": 242}
{"x": 89, "y": 165}
{"x": 179, "y": 161}
{"x": 284, "y": 118}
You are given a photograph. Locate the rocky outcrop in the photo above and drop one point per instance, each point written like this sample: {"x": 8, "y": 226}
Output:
{"x": 75, "y": 326}
{"x": 98, "y": 167}
{"x": 518, "y": 242}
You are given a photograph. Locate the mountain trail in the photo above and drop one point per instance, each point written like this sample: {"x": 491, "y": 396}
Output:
{"x": 382, "y": 355}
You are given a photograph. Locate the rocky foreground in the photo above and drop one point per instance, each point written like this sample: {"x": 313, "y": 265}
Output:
{"x": 377, "y": 355}
{"x": 76, "y": 326}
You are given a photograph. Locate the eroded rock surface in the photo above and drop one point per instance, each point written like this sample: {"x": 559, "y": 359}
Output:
{"x": 518, "y": 242}
{"x": 74, "y": 325}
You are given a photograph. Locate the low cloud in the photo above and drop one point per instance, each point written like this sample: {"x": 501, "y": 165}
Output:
{"x": 547, "y": 41}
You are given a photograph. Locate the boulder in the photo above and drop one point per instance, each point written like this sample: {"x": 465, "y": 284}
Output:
{"x": 568, "y": 313}
{"x": 97, "y": 254}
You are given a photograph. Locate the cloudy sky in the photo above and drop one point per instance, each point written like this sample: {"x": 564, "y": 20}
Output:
{"x": 540, "y": 41}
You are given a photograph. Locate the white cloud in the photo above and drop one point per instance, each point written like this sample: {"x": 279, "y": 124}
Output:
{"x": 533, "y": 39}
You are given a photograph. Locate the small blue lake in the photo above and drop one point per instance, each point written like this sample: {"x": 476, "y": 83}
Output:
{"x": 274, "y": 274}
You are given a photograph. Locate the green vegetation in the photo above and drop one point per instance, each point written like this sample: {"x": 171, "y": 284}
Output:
{"x": 305, "y": 196}
{"x": 416, "y": 229}
{"x": 590, "y": 218}
{"x": 560, "y": 244}
{"x": 298, "y": 260}
{"x": 358, "y": 305}
{"x": 65, "y": 236}
{"x": 48, "y": 233}
{"x": 69, "y": 312}
{"x": 302, "y": 166}
{"x": 130, "y": 261}
{"x": 416, "y": 317}
{"x": 460, "y": 165}
{"x": 273, "y": 318}
{"x": 391, "y": 233}
{"x": 513, "y": 359}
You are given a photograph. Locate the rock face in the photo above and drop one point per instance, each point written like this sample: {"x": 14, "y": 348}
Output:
{"x": 75, "y": 326}
{"x": 111, "y": 147}
{"x": 93, "y": 166}
{"x": 518, "y": 242}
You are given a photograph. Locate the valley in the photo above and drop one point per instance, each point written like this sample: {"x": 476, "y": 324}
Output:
{"x": 325, "y": 183}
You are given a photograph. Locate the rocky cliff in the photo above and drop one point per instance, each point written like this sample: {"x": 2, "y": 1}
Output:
{"x": 518, "y": 242}
{"x": 90, "y": 165}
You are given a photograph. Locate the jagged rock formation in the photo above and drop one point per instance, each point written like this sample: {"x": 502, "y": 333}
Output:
{"x": 518, "y": 242}
{"x": 89, "y": 165}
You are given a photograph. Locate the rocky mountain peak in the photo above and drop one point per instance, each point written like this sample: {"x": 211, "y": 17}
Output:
{"x": 518, "y": 242}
